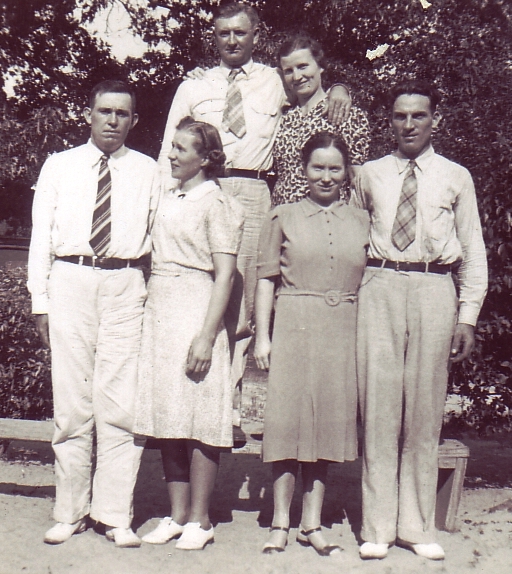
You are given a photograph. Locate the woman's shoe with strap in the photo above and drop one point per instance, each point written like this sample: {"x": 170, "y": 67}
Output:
{"x": 277, "y": 541}
{"x": 314, "y": 537}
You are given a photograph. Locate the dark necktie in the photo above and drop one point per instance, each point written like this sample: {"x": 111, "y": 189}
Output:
{"x": 233, "y": 118}
{"x": 101, "y": 221}
{"x": 404, "y": 227}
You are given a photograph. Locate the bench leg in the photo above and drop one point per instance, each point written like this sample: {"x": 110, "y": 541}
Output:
{"x": 449, "y": 492}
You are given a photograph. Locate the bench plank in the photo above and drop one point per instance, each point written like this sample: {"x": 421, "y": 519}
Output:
{"x": 20, "y": 429}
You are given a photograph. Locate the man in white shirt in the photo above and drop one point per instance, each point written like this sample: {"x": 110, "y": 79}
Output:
{"x": 93, "y": 210}
{"x": 411, "y": 321}
{"x": 247, "y": 139}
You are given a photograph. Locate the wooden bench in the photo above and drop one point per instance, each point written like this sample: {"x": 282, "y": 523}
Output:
{"x": 453, "y": 457}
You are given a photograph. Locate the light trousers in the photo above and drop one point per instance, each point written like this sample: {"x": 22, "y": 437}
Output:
{"x": 254, "y": 196}
{"x": 95, "y": 321}
{"x": 405, "y": 327}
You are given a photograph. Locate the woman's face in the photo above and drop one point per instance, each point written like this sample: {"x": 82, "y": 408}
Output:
{"x": 302, "y": 74}
{"x": 186, "y": 162}
{"x": 325, "y": 172}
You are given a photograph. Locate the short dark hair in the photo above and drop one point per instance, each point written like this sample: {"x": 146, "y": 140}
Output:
{"x": 233, "y": 9}
{"x": 301, "y": 41}
{"x": 207, "y": 143}
{"x": 112, "y": 86}
{"x": 322, "y": 140}
{"x": 411, "y": 87}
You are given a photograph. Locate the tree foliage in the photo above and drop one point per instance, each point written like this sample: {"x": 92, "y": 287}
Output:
{"x": 464, "y": 46}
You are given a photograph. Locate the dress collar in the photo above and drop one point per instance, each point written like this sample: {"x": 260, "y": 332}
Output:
{"x": 311, "y": 208}
{"x": 197, "y": 192}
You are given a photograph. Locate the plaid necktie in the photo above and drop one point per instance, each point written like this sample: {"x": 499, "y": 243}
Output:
{"x": 404, "y": 227}
{"x": 101, "y": 222}
{"x": 233, "y": 118}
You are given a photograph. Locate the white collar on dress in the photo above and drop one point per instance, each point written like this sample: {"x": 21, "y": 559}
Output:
{"x": 197, "y": 192}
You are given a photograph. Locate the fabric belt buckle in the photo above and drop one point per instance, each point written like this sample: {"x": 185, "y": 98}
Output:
{"x": 332, "y": 298}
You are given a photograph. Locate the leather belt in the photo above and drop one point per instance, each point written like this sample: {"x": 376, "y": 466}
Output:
{"x": 250, "y": 173}
{"x": 109, "y": 263}
{"x": 417, "y": 266}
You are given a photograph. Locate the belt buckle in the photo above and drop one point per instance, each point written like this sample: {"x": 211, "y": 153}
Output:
{"x": 332, "y": 298}
{"x": 94, "y": 258}
{"x": 397, "y": 265}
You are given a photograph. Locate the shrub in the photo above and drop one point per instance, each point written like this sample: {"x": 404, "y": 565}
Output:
{"x": 25, "y": 381}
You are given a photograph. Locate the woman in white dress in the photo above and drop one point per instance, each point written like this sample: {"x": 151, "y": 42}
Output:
{"x": 184, "y": 395}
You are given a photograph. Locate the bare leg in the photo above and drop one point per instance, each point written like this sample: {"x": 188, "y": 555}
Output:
{"x": 203, "y": 472}
{"x": 285, "y": 475}
{"x": 314, "y": 477}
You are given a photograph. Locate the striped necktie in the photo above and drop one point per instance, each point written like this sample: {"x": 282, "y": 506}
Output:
{"x": 404, "y": 227}
{"x": 233, "y": 118}
{"x": 101, "y": 221}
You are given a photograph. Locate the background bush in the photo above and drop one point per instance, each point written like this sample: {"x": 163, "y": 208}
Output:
{"x": 25, "y": 383}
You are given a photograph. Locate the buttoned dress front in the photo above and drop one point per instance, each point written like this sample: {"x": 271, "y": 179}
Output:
{"x": 171, "y": 403}
{"x": 319, "y": 255}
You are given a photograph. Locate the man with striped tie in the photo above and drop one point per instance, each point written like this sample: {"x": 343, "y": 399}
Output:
{"x": 411, "y": 321}
{"x": 93, "y": 210}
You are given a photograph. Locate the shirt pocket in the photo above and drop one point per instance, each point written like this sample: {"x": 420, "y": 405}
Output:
{"x": 262, "y": 113}
{"x": 439, "y": 219}
{"x": 210, "y": 111}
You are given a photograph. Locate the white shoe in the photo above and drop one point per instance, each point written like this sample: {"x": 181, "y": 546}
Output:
{"x": 166, "y": 530}
{"x": 194, "y": 537}
{"x": 371, "y": 551}
{"x": 123, "y": 537}
{"x": 432, "y": 551}
{"x": 61, "y": 531}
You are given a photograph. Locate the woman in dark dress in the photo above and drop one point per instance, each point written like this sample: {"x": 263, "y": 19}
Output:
{"x": 314, "y": 253}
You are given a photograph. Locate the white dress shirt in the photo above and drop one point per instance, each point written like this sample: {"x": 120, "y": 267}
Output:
{"x": 448, "y": 229}
{"x": 64, "y": 204}
{"x": 263, "y": 97}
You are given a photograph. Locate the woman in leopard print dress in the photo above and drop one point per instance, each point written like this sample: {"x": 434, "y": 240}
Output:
{"x": 301, "y": 60}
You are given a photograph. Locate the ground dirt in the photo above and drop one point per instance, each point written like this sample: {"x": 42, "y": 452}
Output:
{"x": 242, "y": 511}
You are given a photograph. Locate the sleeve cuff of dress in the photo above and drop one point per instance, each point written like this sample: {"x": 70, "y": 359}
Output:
{"x": 266, "y": 270}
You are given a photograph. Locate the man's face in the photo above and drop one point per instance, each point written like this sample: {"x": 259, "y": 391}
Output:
{"x": 111, "y": 118}
{"x": 235, "y": 38}
{"x": 412, "y": 122}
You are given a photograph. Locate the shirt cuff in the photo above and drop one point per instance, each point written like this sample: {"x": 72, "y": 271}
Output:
{"x": 40, "y": 304}
{"x": 468, "y": 314}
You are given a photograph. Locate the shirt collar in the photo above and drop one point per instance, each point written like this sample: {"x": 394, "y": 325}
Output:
{"x": 422, "y": 160}
{"x": 247, "y": 67}
{"x": 96, "y": 154}
{"x": 311, "y": 208}
{"x": 197, "y": 192}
